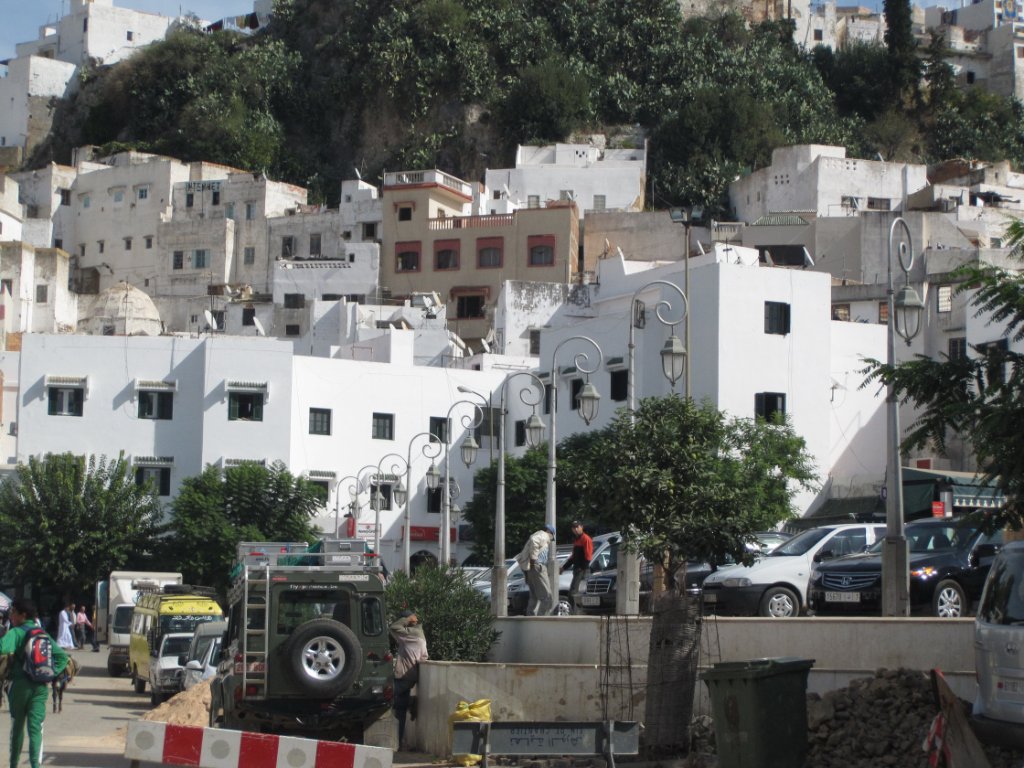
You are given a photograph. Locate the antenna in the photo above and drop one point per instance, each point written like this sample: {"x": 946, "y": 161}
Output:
{"x": 808, "y": 261}
{"x": 210, "y": 320}
{"x": 259, "y": 327}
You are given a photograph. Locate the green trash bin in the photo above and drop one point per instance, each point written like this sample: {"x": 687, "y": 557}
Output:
{"x": 760, "y": 712}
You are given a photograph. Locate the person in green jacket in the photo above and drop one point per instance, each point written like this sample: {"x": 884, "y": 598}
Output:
{"x": 27, "y": 699}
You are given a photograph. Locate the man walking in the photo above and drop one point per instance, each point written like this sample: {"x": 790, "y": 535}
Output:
{"x": 533, "y": 560}
{"x": 579, "y": 560}
{"x": 27, "y": 699}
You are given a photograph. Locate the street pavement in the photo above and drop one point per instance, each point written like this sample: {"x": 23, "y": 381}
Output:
{"x": 90, "y": 731}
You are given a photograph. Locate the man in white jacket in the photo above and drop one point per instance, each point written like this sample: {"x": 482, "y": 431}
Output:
{"x": 533, "y": 560}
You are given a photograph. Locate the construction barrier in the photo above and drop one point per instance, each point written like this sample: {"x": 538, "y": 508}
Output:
{"x": 219, "y": 748}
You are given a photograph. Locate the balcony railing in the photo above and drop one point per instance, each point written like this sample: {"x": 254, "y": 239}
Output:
{"x": 403, "y": 178}
{"x": 472, "y": 222}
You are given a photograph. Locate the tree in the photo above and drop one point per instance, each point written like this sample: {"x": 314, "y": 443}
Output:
{"x": 455, "y": 617}
{"x": 686, "y": 482}
{"x": 67, "y": 521}
{"x": 978, "y": 397}
{"x": 217, "y": 509}
{"x": 904, "y": 66}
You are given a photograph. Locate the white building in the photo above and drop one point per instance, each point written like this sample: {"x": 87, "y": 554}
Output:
{"x": 595, "y": 177}
{"x": 11, "y": 212}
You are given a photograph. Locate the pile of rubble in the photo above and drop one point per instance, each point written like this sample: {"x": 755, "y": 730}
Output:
{"x": 191, "y": 707}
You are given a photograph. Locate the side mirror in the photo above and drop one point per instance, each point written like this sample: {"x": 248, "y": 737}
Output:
{"x": 195, "y": 665}
{"x": 825, "y": 554}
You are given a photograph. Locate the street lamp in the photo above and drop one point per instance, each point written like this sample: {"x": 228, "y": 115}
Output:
{"x": 468, "y": 451}
{"x": 673, "y": 364}
{"x": 434, "y": 443}
{"x": 904, "y": 309}
{"x": 398, "y": 492}
{"x": 353, "y": 492}
{"x": 687, "y": 217}
{"x": 588, "y": 403}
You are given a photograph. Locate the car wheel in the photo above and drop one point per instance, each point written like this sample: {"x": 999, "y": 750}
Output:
{"x": 324, "y": 657}
{"x": 949, "y": 601}
{"x": 563, "y": 607}
{"x": 780, "y": 603}
{"x": 137, "y": 682}
{"x": 115, "y": 670}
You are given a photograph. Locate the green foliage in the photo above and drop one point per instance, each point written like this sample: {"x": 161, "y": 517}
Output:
{"x": 66, "y": 522}
{"x": 455, "y": 617}
{"x": 980, "y": 397}
{"x": 904, "y": 66}
{"x": 687, "y": 482}
{"x": 217, "y": 509}
{"x": 547, "y": 103}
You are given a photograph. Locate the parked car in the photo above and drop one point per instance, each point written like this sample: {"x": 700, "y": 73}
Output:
{"x": 949, "y": 560}
{"x": 998, "y": 638}
{"x": 200, "y": 661}
{"x": 599, "y": 592}
{"x": 776, "y": 585}
{"x": 165, "y": 669}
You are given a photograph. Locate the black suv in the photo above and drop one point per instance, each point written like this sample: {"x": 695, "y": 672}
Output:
{"x": 307, "y": 650}
{"x": 949, "y": 559}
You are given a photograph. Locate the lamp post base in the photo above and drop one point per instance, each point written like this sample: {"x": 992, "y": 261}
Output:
{"x": 895, "y": 577}
{"x": 499, "y": 590}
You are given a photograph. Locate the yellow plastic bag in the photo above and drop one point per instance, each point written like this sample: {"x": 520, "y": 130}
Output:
{"x": 478, "y": 711}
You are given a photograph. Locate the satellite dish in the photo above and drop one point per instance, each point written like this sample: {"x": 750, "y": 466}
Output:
{"x": 259, "y": 327}
{"x": 210, "y": 321}
{"x": 484, "y": 345}
{"x": 768, "y": 259}
{"x": 619, "y": 253}
{"x": 808, "y": 261}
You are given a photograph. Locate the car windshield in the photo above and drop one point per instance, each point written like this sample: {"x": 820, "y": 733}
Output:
{"x": 175, "y": 646}
{"x": 801, "y": 544}
{"x": 201, "y": 647}
{"x": 923, "y": 538}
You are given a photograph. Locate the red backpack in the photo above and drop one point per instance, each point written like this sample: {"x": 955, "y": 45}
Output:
{"x": 38, "y": 665}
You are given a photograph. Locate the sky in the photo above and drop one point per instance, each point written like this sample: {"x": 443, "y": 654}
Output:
{"x": 22, "y": 18}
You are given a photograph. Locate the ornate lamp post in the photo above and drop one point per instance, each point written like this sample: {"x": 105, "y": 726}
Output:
{"x": 353, "y": 492}
{"x": 468, "y": 451}
{"x": 905, "y": 309}
{"x": 588, "y": 403}
{"x": 398, "y": 492}
{"x": 434, "y": 444}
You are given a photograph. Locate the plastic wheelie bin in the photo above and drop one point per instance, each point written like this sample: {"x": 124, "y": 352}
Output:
{"x": 760, "y": 712}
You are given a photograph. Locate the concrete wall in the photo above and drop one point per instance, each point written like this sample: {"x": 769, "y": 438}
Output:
{"x": 556, "y": 668}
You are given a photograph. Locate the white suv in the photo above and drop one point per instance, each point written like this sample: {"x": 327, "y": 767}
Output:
{"x": 776, "y": 585}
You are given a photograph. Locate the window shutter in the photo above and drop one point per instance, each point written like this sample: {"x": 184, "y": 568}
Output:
{"x": 257, "y": 408}
{"x": 165, "y": 481}
{"x": 759, "y": 404}
{"x": 77, "y": 400}
{"x": 785, "y": 318}
{"x": 233, "y": 407}
{"x": 53, "y": 395}
{"x": 165, "y": 405}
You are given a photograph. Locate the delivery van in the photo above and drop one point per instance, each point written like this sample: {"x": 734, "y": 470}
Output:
{"x": 115, "y": 601}
{"x": 176, "y": 608}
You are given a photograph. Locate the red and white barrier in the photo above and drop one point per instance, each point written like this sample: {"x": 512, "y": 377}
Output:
{"x": 218, "y": 748}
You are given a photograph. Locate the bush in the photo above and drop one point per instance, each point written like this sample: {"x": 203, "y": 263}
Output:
{"x": 455, "y": 617}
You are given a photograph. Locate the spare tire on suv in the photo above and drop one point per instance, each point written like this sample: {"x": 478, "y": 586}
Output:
{"x": 324, "y": 657}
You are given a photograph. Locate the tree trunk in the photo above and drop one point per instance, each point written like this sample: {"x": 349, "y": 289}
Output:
{"x": 671, "y": 673}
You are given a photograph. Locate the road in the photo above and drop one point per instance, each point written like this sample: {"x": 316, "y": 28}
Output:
{"x": 89, "y": 732}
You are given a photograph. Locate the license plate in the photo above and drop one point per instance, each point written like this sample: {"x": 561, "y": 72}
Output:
{"x": 710, "y": 597}
{"x": 590, "y": 600}
{"x": 1011, "y": 686}
{"x": 842, "y": 597}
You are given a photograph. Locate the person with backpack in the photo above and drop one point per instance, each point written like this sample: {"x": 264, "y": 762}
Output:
{"x": 38, "y": 660}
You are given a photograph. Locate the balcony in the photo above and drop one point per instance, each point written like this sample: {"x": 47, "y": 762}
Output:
{"x": 419, "y": 178}
{"x": 488, "y": 221}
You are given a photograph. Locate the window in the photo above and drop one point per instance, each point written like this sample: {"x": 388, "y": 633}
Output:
{"x": 119, "y": 196}
{"x": 215, "y": 197}
{"x": 200, "y": 258}
{"x": 383, "y": 426}
{"x": 841, "y": 312}
{"x": 249, "y": 255}
{"x": 489, "y": 251}
{"x": 848, "y": 542}
{"x": 776, "y": 317}
{"x": 58, "y": 243}
{"x": 178, "y": 260}
{"x": 520, "y": 436}
{"x": 434, "y": 500}
{"x": 41, "y": 294}
{"x": 158, "y": 478}
{"x": 535, "y": 341}
{"x": 85, "y": 201}
{"x": 575, "y": 387}
{"x": 384, "y": 489}
{"x": 878, "y": 204}
{"x": 599, "y": 202}
{"x": 245, "y": 406}
{"x": 127, "y": 243}
{"x": 488, "y": 424}
{"x": 250, "y": 211}
{"x": 970, "y": 78}
{"x": 156, "y": 405}
{"x": 129, "y": 35}
{"x": 101, "y": 245}
{"x": 7, "y": 286}
{"x": 85, "y": 24}
{"x": 439, "y": 428}
{"x": 229, "y": 211}
{"x": 446, "y": 254}
{"x": 995, "y": 351}
{"x": 142, "y": 193}
{"x": 944, "y": 298}
{"x": 65, "y": 196}
{"x": 819, "y": 35}
{"x": 533, "y": 201}
{"x": 883, "y": 312}
{"x": 190, "y": 199}
{"x": 407, "y": 257}
{"x": 319, "y": 421}
{"x": 619, "y": 385}
{"x": 542, "y": 250}
{"x": 470, "y": 306}
{"x": 370, "y": 230}
{"x": 566, "y": 195}
{"x": 248, "y": 315}
{"x": 371, "y": 616}
{"x": 314, "y": 245}
{"x": 287, "y": 247}
{"x": 957, "y": 348}
{"x": 548, "y": 394}
{"x": 149, "y": 242}
{"x": 770, "y": 406}
{"x": 405, "y": 213}
{"x": 346, "y": 235}
{"x": 218, "y": 319}
{"x": 292, "y": 330}
{"x": 65, "y": 401}
{"x": 294, "y": 300}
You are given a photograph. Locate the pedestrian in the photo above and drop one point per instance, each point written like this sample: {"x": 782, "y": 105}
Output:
{"x": 533, "y": 560}
{"x": 579, "y": 560}
{"x": 84, "y": 630}
{"x": 66, "y": 627}
{"x": 27, "y": 699}
{"x": 412, "y": 649}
